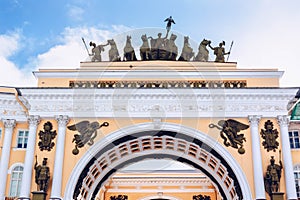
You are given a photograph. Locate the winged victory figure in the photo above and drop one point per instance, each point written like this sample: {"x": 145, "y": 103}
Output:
{"x": 229, "y": 130}
{"x": 88, "y": 132}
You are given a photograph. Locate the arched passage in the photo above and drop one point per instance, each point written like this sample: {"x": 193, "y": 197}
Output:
{"x": 142, "y": 141}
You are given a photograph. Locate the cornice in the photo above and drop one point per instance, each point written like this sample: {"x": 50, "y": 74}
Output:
{"x": 10, "y": 108}
{"x": 187, "y": 102}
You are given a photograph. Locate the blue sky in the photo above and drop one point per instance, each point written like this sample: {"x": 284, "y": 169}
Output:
{"x": 47, "y": 34}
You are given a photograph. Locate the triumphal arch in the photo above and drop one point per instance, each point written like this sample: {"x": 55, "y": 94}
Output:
{"x": 86, "y": 125}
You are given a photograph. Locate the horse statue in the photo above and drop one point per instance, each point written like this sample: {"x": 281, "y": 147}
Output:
{"x": 145, "y": 51}
{"x": 158, "y": 48}
{"x": 129, "y": 53}
{"x": 203, "y": 51}
{"x": 113, "y": 52}
{"x": 187, "y": 51}
{"x": 171, "y": 48}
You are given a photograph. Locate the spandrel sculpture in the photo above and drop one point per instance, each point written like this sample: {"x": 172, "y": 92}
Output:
{"x": 229, "y": 130}
{"x": 87, "y": 133}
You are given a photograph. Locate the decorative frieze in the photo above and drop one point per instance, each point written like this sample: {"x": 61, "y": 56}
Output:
{"x": 159, "y": 84}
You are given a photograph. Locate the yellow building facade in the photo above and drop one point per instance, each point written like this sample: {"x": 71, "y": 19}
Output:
{"x": 211, "y": 116}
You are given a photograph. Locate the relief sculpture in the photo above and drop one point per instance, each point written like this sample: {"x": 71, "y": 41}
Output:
{"x": 87, "y": 133}
{"x": 270, "y": 135}
{"x": 229, "y": 133}
{"x": 46, "y": 137}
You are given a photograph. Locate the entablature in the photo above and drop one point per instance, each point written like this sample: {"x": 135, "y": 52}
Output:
{"x": 170, "y": 103}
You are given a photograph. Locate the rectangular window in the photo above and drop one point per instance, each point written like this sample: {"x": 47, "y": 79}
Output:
{"x": 294, "y": 139}
{"x": 22, "y": 139}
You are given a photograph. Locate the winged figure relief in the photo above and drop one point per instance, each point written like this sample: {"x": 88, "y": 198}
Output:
{"x": 229, "y": 130}
{"x": 87, "y": 133}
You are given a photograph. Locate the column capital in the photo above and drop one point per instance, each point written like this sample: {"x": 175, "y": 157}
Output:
{"x": 9, "y": 123}
{"x": 34, "y": 119}
{"x": 254, "y": 119}
{"x": 62, "y": 120}
{"x": 283, "y": 120}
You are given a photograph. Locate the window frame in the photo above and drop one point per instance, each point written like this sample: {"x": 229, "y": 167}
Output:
{"x": 293, "y": 138}
{"x": 24, "y": 138}
{"x": 18, "y": 180}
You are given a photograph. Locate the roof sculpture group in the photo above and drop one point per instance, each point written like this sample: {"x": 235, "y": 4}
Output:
{"x": 160, "y": 48}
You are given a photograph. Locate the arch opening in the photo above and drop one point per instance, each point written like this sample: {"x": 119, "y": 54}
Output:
{"x": 187, "y": 148}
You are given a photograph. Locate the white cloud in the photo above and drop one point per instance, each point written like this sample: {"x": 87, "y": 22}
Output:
{"x": 71, "y": 52}
{"x": 10, "y": 74}
{"x": 75, "y": 12}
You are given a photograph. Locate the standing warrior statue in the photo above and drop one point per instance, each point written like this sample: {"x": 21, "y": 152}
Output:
{"x": 42, "y": 175}
{"x": 169, "y": 21}
{"x": 96, "y": 51}
{"x": 219, "y": 52}
{"x": 273, "y": 175}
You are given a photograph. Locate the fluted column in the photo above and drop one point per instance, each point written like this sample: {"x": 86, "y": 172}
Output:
{"x": 27, "y": 174}
{"x": 256, "y": 158}
{"x": 283, "y": 122}
{"x": 9, "y": 125}
{"x": 62, "y": 121}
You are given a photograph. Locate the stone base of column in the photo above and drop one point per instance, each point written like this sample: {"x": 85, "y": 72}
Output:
{"x": 39, "y": 195}
{"x": 277, "y": 196}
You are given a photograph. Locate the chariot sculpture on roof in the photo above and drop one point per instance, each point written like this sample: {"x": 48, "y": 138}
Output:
{"x": 160, "y": 48}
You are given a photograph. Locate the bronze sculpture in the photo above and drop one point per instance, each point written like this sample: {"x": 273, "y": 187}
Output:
{"x": 119, "y": 197}
{"x": 229, "y": 133}
{"x": 171, "y": 48}
{"x": 203, "y": 51}
{"x": 158, "y": 50}
{"x": 273, "y": 175}
{"x": 88, "y": 132}
{"x": 219, "y": 52}
{"x": 113, "y": 52}
{"x": 187, "y": 51}
{"x": 201, "y": 197}
{"x": 145, "y": 50}
{"x": 129, "y": 54}
{"x": 270, "y": 136}
{"x": 42, "y": 175}
{"x": 46, "y": 137}
{"x": 96, "y": 51}
{"x": 169, "y": 21}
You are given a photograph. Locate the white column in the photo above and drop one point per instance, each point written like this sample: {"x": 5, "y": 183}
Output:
{"x": 27, "y": 174}
{"x": 256, "y": 158}
{"x": 62, "y": 121}
{"x": 290, "y": 187}
{"x": 9, "y": 125}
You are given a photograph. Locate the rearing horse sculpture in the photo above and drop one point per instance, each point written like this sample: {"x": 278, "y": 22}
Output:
{"x": 203, "y": 51}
